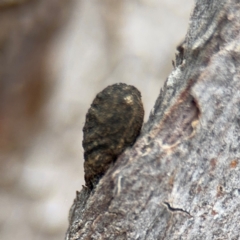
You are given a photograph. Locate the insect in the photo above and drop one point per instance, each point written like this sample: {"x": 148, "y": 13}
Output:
{"x": 113, "y": 122}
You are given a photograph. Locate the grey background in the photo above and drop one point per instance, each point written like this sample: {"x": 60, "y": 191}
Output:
{"x": 103, "y": 42}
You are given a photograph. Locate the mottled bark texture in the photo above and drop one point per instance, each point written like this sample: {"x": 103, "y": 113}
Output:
{"x": 181, "y": 178}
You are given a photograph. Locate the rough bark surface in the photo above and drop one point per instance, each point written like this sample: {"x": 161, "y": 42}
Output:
{"x": 180, "y": 180}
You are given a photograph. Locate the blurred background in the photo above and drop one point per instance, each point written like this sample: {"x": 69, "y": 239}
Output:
{"x": 55, "y": 56}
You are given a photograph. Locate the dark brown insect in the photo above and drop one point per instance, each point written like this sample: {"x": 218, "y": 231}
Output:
{"x": 113, "y": 123}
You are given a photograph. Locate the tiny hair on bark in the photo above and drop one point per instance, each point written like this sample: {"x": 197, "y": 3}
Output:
{"x": 181, "y": 178}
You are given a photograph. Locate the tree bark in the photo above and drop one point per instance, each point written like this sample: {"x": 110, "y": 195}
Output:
{"x": 180, "y": 180}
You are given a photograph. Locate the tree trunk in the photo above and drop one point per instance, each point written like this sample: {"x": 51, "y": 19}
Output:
{"x": 181, "y": 179}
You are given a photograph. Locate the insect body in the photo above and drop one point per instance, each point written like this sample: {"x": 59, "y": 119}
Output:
{"x": 113, "y": 123}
